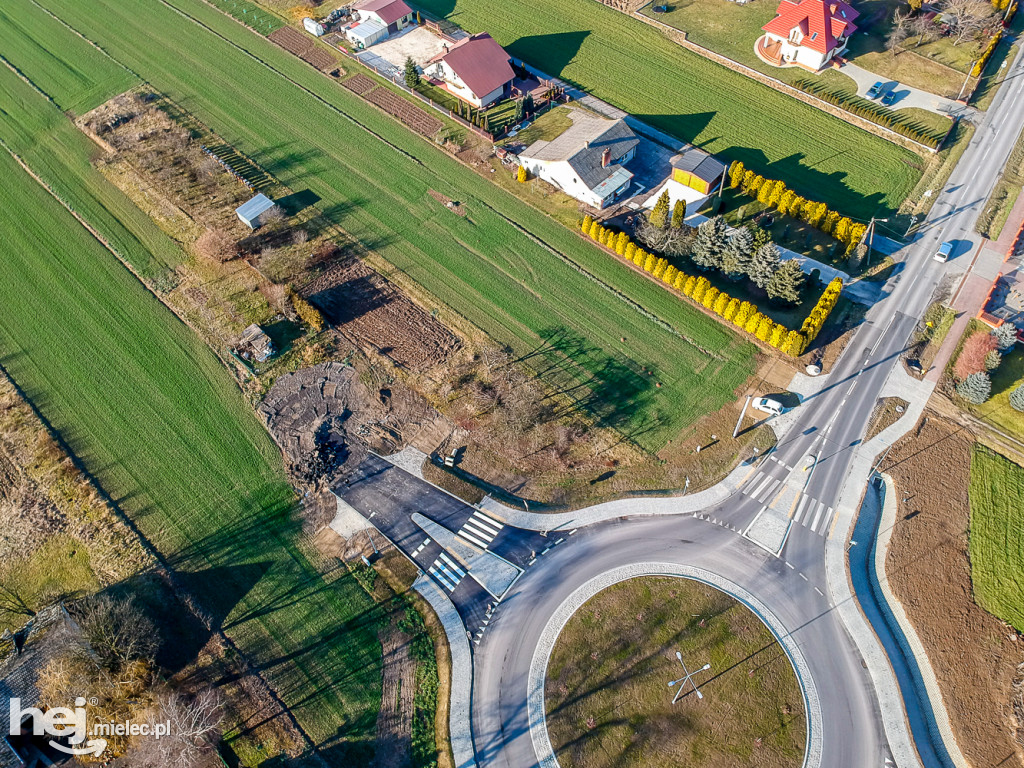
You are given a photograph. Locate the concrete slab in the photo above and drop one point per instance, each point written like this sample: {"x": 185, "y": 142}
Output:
{"x": 769, "y": 530}
{"x": 417, "y": 43}
{"x": 493, "y": 574}
{"x": 410, "y": 459}
{"x": 347, "y": 521}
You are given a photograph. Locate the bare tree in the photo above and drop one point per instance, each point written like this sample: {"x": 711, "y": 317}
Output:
{"x": 117, "y": 631}
{"x": 217, "y": 244}
{"x": 923, "y": 29}
{"x": 194, "y": 731}
{"x": 898, "y": 32}
{"x": 15, "y": 603}
{"x": 965, "y": 18}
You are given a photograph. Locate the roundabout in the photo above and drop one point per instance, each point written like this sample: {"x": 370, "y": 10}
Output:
{"x": 617, "y": 693}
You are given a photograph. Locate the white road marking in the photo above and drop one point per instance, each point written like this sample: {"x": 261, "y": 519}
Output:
{"x": 800, "y": 507}
{"x": 444, "y": 581}
{"x": 454, "y": 566}
{"x": 817, "y": 516}
{"x": 480, "y": 530}
{"x": 766, "y": 479}
{"x": 463, "y": 534}
{"x": 771, "y": 489}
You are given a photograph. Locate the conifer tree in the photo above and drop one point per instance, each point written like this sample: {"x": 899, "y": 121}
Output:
{"x": 412, "y": 75}
{"x": 700, "y": 287}
{"x": 709, "y": 245}
{"x": 764, "y": 265}
{"x": 721, "y": 302}
{"x": 640, "y": 257}
{"x": 753, "y": 322}
{"x": 689, "y": 285}
{"x": 630, "y": 252}
{"x": 595, "y": 231}
{"x": 681, "y": 279}
{"x": 731, "y": 310}
{"x": 739, "y": 253}
{"x": 778, "y": 335}
{"x": 588, "y": 222}
{"x": 710, "y": 297}
{"x": 1017, "y": 397}
{"x": 976, "y": 388}
{"x": 736, "y": 172}
{"x": 678, "y": 213}
{"x": 651, "y": 262}
{"x": 669, "y": 275}
{"x": 659, "y": 213}
{"x": 787, "y": 283}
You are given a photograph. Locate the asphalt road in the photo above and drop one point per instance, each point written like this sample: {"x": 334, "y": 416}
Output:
{"x": 829, "y": 426}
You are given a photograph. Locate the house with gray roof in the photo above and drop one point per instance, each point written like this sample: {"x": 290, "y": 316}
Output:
{"x": 587, "y": 160}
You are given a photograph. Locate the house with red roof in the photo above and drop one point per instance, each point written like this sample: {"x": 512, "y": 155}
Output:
{"x": 476, "y": 69}
{"x": 393, "y": 15}
{"x": 807, "y": 33}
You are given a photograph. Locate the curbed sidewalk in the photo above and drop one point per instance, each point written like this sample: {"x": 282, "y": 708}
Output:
{"x": 840, "y": 585}
{"x": 460, "y": 732}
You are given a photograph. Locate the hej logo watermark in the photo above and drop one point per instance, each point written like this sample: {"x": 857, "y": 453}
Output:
{"x": 72, "y": 725}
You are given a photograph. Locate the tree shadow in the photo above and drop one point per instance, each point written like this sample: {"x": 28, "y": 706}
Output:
{"x": 298, "y": 201}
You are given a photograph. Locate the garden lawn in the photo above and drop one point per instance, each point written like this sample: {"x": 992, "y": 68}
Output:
{"x": 637, "y": 68}
{"x": 503, "y": 266}
{"x": 997, "y": 535}
{"x": 154, "y": 416}
{"x": 996, "y": 410}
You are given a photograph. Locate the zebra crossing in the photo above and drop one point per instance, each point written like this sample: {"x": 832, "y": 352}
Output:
{"x": 480, "y": 530}
{"x": 813, "y": 514}
{"x": 762, "y": 487}
{"x": 447, "y": 572}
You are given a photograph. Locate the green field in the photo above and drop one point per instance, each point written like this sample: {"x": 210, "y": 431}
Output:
{"x": 373, "y": 176}
{"x": 154, "y": 415}
{"x": 636, "y": 68}
{"x": 997, "y": 535}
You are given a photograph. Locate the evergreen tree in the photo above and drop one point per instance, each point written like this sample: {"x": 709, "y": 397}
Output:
{"x": 761, "y": 235}
{"x": 412, "y": 75}
{"x": 736, "y": 171}
{"x": 659, "y": 214}
{"x": 738, "y": 254}
{"x": 1017, "y": 398}
{"x": 678, "y": 213}
{"x": 787, "y": 283}
{"x": 992, "y": 360}
{"x": 588, "y": 222}
{"x": 976, "y": 388}
{"x": 1006, "y": 336}
{"x": 764, "y": 265}
{"x": 709, "y": 245}
{"x": 748, "y": 179}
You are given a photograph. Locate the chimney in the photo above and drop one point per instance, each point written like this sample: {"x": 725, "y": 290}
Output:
{"x": 833, "y": 8}
{"x": 586, "y": 144}
{"x": 446, "y": 48}
{"x": 606, "y": 157}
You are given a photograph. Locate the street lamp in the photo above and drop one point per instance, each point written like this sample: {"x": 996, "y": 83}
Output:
{"x": 688, "y": 678}
{"x": 871, "y": 239}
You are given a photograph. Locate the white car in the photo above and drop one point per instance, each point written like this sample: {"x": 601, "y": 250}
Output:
{"x": 767, "y": 405}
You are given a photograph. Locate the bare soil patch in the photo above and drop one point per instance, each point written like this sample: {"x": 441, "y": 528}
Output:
{"x": 975, "y": 655}
{"x": 394, "y": 720}
{"x": 887, "y": 412}
{"x": 321, "y": 59}
{"x": 447, "y": 202}
{"x": 412, "y": 116}
{"x": 291, "y": 40}
{"x": 369, "y": 310}
{"x": 607, "y": 694}
{"x": 359, "y": 84}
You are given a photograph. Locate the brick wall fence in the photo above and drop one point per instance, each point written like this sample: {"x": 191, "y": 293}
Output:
{"x": 679, "y": 37}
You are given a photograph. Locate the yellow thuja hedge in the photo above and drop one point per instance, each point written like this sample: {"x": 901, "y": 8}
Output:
{"x": 743, "y": 314}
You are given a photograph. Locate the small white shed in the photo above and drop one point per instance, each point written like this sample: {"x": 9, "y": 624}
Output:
{"x": 253, "y": 212}
{"x": 313, "y": 26}
{"x": 366, "y": 33}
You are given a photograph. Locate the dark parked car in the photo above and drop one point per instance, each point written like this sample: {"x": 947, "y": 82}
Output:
{"x": 889, "y": 97}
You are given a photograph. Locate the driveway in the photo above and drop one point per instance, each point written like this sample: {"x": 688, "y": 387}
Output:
{"x": 906, "y": 96}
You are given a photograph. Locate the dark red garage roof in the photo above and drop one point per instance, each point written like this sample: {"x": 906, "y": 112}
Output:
{"x": 389, "y": 11}
{"x": 480, "y": 62}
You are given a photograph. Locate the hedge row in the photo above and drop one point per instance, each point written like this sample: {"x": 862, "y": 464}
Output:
{"x": 868, "y": 110}
{"x": 743, "y": 314}
{"x": 979, "y": 65}
{"x": 774, "y": 193}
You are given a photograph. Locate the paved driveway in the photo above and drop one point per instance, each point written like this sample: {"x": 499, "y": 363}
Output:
{"x": 906, "y": 96}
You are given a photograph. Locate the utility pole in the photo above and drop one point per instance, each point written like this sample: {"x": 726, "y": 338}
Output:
{"x": 871, "y": 239}
{"x": 969, "y": 70}
{"x": 687, "y": 679}
{"x": 739, "y": 421}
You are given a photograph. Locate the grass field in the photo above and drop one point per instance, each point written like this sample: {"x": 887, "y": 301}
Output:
{"x": 607, "y": 697}
{"x": 514, "y": 284}
{"x": 638, "y": 69}
{"x": 997, "y": 535}
{"x": 157, "y": 419}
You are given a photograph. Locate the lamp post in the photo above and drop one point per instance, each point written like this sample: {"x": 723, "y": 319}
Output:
{"x": 871, "y": 239}
{"x": 688, "y": 678}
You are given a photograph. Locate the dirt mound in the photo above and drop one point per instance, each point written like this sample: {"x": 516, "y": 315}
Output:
{"x": 974, "y": 654}
{"x": 370, "y": 311}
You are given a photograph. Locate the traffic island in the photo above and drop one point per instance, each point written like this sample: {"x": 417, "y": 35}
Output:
{"x": 627, "y": 682}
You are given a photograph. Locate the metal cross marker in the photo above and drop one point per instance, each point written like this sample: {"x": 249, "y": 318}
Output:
{"x": 687, "y": 679}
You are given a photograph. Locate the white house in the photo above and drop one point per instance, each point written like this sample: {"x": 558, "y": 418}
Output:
{"x": 807, "y": 33}
{"x": 476, "y": 69}
{"x": 587, "y": 160}
{"x": 393, "y": 15}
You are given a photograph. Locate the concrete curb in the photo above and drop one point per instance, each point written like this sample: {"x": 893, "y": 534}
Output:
{"x": 662, "y": 505}
{"x": 460, "y": 729}
{"x": 545, "y": 645}
{"x": 911, "y": 642}
{"x": 840, "y": 586}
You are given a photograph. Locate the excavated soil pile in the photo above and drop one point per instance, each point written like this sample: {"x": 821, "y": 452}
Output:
{"x": 975, "y": 655}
